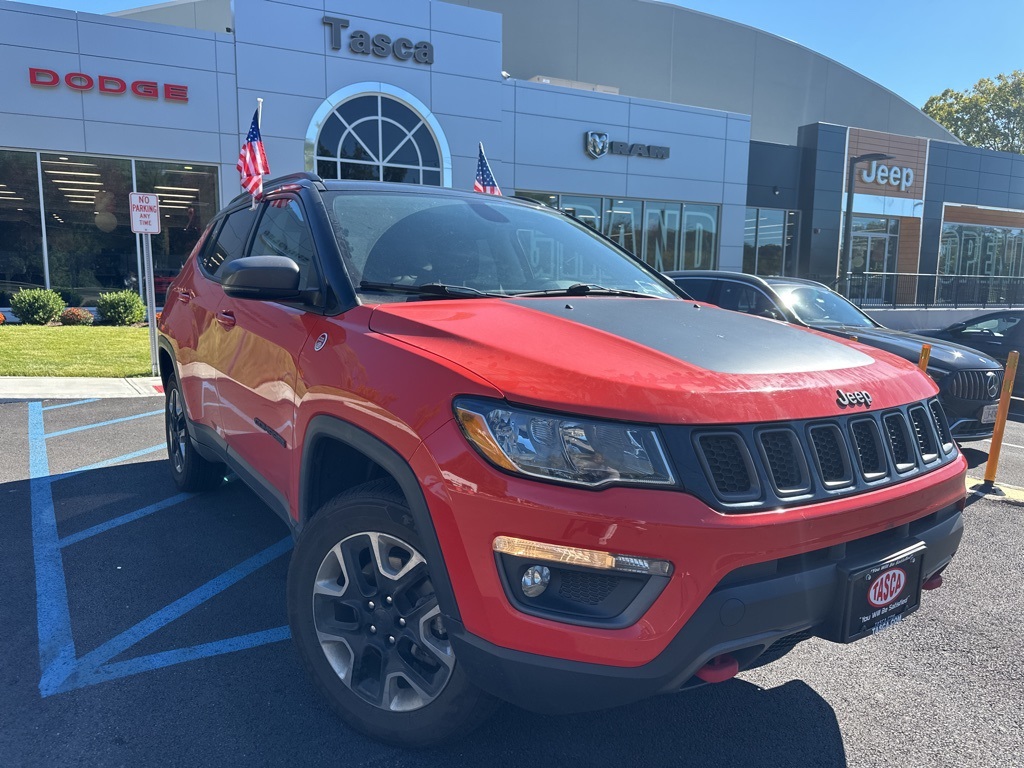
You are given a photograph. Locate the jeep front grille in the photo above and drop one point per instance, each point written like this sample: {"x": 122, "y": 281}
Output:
{"x": 758, "y": 466}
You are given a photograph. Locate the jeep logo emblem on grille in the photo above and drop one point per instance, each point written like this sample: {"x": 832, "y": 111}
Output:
{"x": 844, "y": 399}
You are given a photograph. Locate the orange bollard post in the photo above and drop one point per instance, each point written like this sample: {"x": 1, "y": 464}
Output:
{"x": 997, "y": 435}
{"x": 926, "y": 355}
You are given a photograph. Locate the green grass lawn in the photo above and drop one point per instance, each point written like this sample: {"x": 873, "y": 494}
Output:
{"x": 33, "y": 350}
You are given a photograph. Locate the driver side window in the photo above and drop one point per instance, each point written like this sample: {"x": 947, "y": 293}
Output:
{"x": 284, "y": 231}
{"x": 993, "y": 326}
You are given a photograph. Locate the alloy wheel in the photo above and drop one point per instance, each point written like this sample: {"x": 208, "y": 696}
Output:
{"x": 378, "y": 622}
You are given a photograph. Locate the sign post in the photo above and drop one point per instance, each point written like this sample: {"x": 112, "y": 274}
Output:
{"x": 145, "y": 209}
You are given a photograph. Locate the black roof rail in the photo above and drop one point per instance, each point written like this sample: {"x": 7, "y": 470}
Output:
{"x": 300, "y": 176}
{"x": 291, "y": 178}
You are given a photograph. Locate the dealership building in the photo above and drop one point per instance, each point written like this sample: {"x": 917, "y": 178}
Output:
{"x": 692, "y": 141}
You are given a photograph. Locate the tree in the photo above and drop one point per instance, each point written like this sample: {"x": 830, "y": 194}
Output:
{"x": 989, "y": 115}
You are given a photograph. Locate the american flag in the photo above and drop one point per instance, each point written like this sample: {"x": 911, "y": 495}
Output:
{"x": 252, "y": 160}
{"x": 484, "y": 178}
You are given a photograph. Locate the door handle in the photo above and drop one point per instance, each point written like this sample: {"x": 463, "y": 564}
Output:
{"x": 184, "y": 295}
{"x": 226, "y": 319}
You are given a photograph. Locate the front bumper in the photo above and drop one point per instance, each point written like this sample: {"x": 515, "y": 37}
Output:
{"x": 751, "y": 609}
{"x": 471, "y": 503}
{"x": 966, "y": 428}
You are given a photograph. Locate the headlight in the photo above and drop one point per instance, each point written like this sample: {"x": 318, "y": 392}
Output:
{"x": 564, "y": 448}
{"x": 937, "y": 374}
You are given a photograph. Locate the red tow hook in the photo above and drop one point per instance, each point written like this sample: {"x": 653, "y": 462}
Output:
{"x": 934, "y": 582}
{"x": 719, "y": 669}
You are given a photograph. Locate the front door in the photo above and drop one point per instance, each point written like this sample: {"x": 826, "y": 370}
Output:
{"x": 872, "y": 261}
{"x": 258, "y": 398}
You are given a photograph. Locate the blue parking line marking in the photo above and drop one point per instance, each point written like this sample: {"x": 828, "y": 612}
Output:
{"x": 115, "y": 460}
{"x": 56, "y": 645}
{"x": 68, "y": 405}
{"x": 74, "y": 538}
{"x": 102, "y": 423}
{"x": 60, "y": 668}
{"x": 122, "y": 642}
{"x": 112, "y": 671}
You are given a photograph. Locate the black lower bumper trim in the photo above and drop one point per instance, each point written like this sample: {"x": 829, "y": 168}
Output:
{"x": 745, "y": 615}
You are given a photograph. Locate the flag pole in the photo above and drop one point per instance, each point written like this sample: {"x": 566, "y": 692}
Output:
{"x": 259, "y": 125}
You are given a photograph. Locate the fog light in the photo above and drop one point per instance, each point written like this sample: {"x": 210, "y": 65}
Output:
{"x": 535, "y": 580}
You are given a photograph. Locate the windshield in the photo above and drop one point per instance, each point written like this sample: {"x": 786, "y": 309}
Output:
{"x": 818, "y": 306}
{"x": 393, "y": 242}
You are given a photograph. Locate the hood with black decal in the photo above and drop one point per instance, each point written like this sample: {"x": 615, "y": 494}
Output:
{"x": 654, "y": 360}
{"x": 945, "y": 355}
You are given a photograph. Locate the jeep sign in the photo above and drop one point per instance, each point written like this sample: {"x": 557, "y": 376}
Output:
{"x": 882, "y": 174}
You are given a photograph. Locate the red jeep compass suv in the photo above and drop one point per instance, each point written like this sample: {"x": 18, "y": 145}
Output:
{"x": 520, "y": 464}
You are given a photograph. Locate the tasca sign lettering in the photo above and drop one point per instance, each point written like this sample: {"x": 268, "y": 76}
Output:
{"x": 597, "y": 144}
{"x": 882, "y": 174}
{"x": 401, "y": 48}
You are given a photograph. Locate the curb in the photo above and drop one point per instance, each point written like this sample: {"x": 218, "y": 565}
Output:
{"x": 17, "y": 388}
{"x": 1000, "y": 492}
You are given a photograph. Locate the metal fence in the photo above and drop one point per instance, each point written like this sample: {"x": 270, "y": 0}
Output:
{"x": 908, "y": 289}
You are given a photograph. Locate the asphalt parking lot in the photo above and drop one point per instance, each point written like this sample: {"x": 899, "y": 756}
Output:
{"x": 142, "y": 626}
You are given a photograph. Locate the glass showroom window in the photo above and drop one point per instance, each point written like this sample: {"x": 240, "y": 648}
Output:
{"x": 188, "y": 200}
{"x": 700, "y": 237}
{"x": 21, "y": 232}
{"x": 769, "y": 242}
{"x": 378, "y": 138}
{"x": 661, "y": 235}
{"x": 668, "y": 236}
{"x": 90, "y": 244}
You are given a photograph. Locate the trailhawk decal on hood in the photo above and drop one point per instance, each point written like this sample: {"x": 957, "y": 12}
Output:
{"x": 710, "y": 338}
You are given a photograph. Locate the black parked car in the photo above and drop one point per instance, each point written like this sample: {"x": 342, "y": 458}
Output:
{"x": 995, "y": 334}
{"x": 969, "y": 381}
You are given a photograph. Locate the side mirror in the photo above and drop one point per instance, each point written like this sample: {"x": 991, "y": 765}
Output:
{"x": 772, "y": 314}
{"x": 957, "y": 327}
{"x": 263, "y": 278}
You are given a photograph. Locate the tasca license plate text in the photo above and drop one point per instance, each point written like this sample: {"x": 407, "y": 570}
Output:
{"x": 883, "y": 594}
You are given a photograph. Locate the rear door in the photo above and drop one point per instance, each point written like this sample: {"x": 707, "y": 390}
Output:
{"x": 213, "y": 342}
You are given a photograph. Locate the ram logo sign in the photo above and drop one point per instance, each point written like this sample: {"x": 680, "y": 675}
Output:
{"x": 597, "y": 145}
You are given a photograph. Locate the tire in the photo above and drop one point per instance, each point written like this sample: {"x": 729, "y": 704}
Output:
{"x": 191, "y": 472}
{"x": 368, "y": 627}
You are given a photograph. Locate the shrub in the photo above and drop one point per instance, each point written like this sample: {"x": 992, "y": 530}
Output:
{"x": 71, "y": 298}
{"x": 37, "y": 306}
{"x": 76, "y": 316}
{"x": 121, "y": 308}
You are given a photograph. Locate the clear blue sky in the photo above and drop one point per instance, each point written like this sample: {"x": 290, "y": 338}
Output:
{"x": 915, "y": 48}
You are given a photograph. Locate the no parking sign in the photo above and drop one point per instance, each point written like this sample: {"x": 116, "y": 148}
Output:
{"x": 145, "y": 209}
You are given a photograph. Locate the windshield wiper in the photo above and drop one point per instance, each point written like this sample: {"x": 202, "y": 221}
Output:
{"x": 585, "y": 289}
{"x": 429, "y": 289}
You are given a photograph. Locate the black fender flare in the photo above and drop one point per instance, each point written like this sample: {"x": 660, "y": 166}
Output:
{"x": 332, "y": 428}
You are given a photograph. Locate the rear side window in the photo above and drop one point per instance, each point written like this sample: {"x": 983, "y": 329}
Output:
{"x": 698, "y": 289}
{"x": 230, "y": 243}
{"x": 743, "y": 298}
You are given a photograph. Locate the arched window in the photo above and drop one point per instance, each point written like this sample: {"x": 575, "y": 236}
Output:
{"x": 378, "y": 138}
